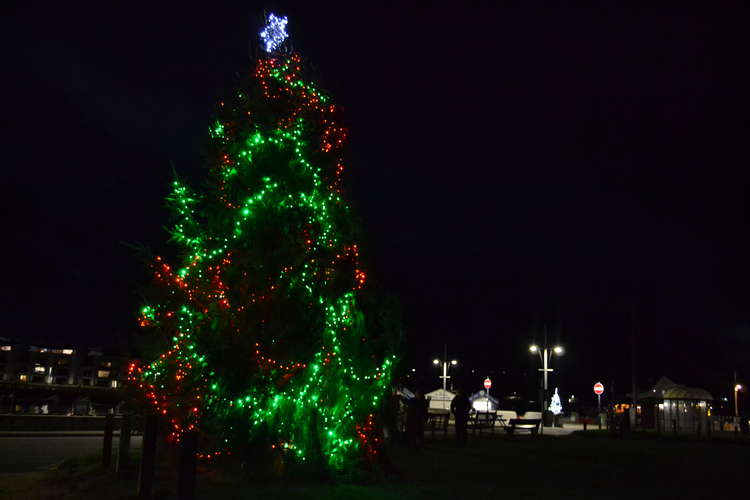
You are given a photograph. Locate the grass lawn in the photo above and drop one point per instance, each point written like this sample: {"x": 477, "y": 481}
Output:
{"x": 508, "y": 467}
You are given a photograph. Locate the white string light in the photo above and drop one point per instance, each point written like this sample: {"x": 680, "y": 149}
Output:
{"x": 274, "y": 34}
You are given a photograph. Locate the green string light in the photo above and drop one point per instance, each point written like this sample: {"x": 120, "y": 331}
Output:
{"x": 263, "y": 315}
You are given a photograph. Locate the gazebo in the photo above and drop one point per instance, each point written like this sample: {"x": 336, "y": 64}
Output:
{"x": 672, "y": 406}
{"x": 481, "y": 403}
{"x": 440, "y": 399}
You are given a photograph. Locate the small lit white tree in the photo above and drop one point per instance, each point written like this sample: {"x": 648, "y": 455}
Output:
{"x": 555, "y": 406}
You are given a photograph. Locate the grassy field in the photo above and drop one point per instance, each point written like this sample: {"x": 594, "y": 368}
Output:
{"x": 508, "y": 467}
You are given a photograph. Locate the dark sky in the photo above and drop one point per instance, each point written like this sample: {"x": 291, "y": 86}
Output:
{"x": 583, "y": 169}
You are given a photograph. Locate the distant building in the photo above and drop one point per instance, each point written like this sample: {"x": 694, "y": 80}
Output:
{"x": 480, "y": 401}
{"x": 671, "y": 406}
{"x": 60, "y": 365}
{"x": 440, "y": 399}
{"x": 404, "y": 392}
{"x": 60, "y": 379}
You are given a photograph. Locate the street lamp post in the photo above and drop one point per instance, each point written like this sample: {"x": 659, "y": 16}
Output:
{"x": 737, "y": 388}
{"x": 445, "y": 375}
{"x": 545, "y": 355}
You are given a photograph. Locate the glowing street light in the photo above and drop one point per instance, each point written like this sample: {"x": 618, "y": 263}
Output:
{"x": 445, "y": 363}
{"x": 545, "y": 355}
{"x": 737, "y": 388}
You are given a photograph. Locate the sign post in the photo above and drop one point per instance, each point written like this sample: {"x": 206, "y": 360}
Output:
{"x": 487, "y": 385}
{"x": 599, "y": 390}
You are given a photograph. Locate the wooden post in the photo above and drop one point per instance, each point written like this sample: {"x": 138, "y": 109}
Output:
{"x": 186, "y": 466}
{"x": 148, "y": 457}
{"x": 123, "y": 451}
{"x": 109, "y": 424}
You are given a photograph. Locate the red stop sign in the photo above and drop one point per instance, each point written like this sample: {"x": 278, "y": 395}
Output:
{"x": 487, "y": 383}
{"x": 598, "y": 389}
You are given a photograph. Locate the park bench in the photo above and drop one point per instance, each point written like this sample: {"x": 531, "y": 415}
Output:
{"x": 482, "y": 420}
{"x": 438, "y": 421}
{"x": 523, "y": 424}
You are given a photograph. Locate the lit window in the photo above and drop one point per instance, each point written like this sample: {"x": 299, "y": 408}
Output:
{"x": 67, "y": 351}
{"x": 6, "y": 348}
{"x": 39, "y": 369}
{"x": 114, "y": 384}
{"x": 23, "y": 378}
{"x": 102, "y": 373}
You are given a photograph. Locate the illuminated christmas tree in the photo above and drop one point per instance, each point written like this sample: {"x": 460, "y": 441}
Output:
{"x": 267, "y": 333}
{"x": 555, "y": 406}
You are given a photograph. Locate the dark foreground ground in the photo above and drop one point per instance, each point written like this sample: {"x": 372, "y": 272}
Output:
{"x": 506, "y": 467}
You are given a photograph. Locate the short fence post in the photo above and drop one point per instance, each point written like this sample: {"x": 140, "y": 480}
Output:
{"x": 148, "y": 456}
{"x": 109, "y": 424}
{"x": 123, "y": 452}
{"x": 186, "y": 466}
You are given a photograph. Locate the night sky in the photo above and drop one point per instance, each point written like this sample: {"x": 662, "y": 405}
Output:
{"x": 580, "y": 169}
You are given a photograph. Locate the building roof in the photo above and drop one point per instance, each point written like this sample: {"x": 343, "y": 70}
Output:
{"x": 405, "y": 392}
{"x": 482, "y": 395}
{"x": 667, "y": 389}
{"x": 440, "y": 395}
{"x": 683, "y": 392}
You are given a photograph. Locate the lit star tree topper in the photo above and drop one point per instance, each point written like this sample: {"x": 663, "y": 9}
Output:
{"x": 274, "y": 34}
{"x": 264, "y": 331}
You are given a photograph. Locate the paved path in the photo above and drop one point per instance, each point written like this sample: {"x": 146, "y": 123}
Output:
{"x": 25, "y": 454}
{"x": 562, "y": 431}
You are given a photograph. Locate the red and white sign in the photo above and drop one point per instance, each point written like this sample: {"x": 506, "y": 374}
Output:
{"x": 487, "y": 383}
{"x": 598, "y": 389}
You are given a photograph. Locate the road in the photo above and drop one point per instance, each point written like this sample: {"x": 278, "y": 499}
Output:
{"x": 25, "y": 454}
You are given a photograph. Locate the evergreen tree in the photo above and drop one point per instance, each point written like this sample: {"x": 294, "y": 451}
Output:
{"x": 267, "y": 333}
